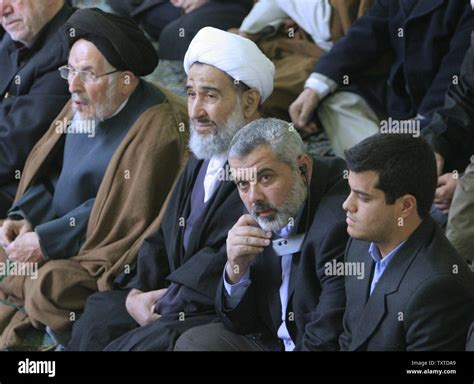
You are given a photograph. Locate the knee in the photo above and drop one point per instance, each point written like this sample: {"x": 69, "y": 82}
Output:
{"x": 203, "y": 338}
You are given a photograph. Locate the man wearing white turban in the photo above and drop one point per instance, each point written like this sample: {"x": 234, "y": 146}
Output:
{"x": 239, "y": 57}
{"x": 172, "y": 286}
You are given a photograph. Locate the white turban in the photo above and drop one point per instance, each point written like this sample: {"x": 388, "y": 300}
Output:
{"x": 235, "y": 55}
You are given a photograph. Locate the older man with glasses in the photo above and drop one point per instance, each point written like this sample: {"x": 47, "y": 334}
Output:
{"x": 96, "y": 182}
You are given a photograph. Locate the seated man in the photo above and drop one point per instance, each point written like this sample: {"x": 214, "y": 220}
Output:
{"x": 418, "y": 293}
{"x": 294, "y": 45}
{"x": 280, "y": 288}
{"x": 31, "y": 91}
{"x": 177, "y": 35}
{"x": 451, "y": 135}
{"x": 179, "y": 266}
{"x": 96, "y": 181}
{"x": 409, "y": 91}
{"x": 152, "y": 15}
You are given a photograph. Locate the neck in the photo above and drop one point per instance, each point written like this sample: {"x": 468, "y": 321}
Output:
{"x": 397, "y": 236}
{"x": 55, "y": 10}
{"x": 123, "y": 100}
{"x": 255, "y": 116}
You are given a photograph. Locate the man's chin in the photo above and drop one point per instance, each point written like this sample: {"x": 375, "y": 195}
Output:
{"x": 268, "y": 224}
{"x": 357, "y": 235}
{"x": 83, "y": 115}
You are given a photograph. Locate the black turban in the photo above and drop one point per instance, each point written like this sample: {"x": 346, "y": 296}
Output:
{"x": 118, "y": 38}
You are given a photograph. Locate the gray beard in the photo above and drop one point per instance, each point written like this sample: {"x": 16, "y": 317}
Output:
{"x": 102, "y": 110}
{"x": 218, "y": 142}
{"x": 287, "y": 211}
{"x": 83, "y": 126}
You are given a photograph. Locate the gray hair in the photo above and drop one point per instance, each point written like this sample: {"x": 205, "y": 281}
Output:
{"x": 280, "y": 136}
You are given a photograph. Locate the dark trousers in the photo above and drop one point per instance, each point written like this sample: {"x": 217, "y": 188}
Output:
{"x": 106, "y": 325}
{"x": 153, "y": 19}
{"x": 160, "y": 335}
{"x": 104, "y": 319}
{"x": 177, "y": 35}
{"x": 216, "y": 337}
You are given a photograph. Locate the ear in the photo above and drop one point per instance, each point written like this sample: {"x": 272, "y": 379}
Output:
{"x": 408, "y": 206}
{"x": 251, "y": 101}
{"x": 305, "y": 164}
{"x": 126, "y": 80}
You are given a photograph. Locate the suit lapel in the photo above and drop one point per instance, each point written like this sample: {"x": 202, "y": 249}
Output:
{"x": 372, "y": 306}
{"x": 7, "y": 61}
{"x": 197, "y": 235}
{"x": 389, "y": 283}
{"x": 316, "y": 191}
{"x": 422, "y": 8}
{"x": 184, "y": 209}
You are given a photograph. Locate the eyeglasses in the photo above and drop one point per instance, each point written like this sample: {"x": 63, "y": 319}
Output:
{"x": 85, "y": 76}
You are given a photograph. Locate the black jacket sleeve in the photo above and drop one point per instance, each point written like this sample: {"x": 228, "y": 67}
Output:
{"x": 451, "y": 132}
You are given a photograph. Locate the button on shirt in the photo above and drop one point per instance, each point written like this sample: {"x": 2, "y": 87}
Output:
{"x": 235, "y": 292}
{"x": 380, "y": 263}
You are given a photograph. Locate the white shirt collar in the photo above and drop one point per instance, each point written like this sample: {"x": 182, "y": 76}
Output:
{"x": 211, "y": 180}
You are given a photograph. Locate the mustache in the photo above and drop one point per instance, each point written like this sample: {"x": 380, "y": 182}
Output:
{"x": 257, "y": 208}
{"x": 79, "y": 98}
{"x": 202, "y": 120}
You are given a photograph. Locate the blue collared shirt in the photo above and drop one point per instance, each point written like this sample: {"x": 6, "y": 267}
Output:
{"x": 380, "y": 263}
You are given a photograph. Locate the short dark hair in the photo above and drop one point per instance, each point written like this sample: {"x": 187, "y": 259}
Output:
{"x": 405, "y": 165}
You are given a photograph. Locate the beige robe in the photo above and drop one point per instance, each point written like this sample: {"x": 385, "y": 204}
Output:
{"x": 128, "y": 207}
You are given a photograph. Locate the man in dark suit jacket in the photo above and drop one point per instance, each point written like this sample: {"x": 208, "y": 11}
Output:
{"x": 32, "y": 92}
{"x": 451, "y": 131}
{"x": 417, "y": 293}
{"x": 178, "y": 270}
{"x": 451, "y": 135}
{"x": 427, "y": 40}
{"x": 197, "y": 14}
{"x": 152, "y": 15}
{"x": 289, "y": 295}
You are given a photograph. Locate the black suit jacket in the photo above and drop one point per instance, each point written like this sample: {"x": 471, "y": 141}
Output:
{"x": 451, "y": 132}
{"x": 316, "y": 300}
{"x": 423, "y": 301}
{"x": 197, "y": 271}
{"x": 31, "y": 95}
{"x": 133, "y": 8}
{"x": 428, "y": 45}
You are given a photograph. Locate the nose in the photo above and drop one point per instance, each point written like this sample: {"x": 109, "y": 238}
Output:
{"x": 255, "y": 194}
{"x": 5, "y": 7}
{"x": 195, "y": 108}
{"x": 75, "y": 83}
{"x": 348, "y": 204}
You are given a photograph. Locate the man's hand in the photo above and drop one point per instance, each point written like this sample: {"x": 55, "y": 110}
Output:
{"x": 12, "y": 229}
{"x": 444, "y": 192}
{"x": 25, "y": 249}
{"x": 190, "y": 5}
{"x": 141, "y": 305}
{"x": 177, "y": 3}
{"x": 439, "y": 163}
{"x": 301, "y": 109}
{"x": 244, "y": 242}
